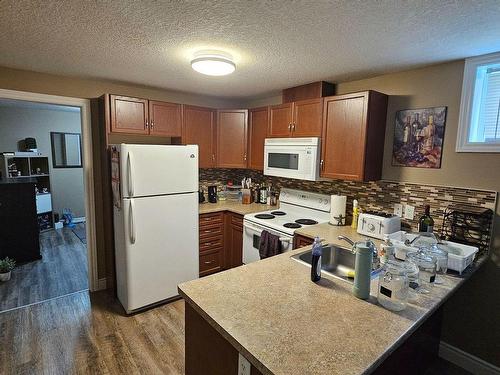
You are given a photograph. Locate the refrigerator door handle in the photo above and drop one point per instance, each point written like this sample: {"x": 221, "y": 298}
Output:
{"x": 130, "y": 173}
{"x": 131, "y": 222}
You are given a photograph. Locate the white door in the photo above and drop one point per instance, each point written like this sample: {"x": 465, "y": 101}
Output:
{"x": 155, "y": 169}
{"x": 161, "y": 247}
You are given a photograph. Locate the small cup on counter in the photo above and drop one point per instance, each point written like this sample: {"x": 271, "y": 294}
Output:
{"x": 246, "y": 197}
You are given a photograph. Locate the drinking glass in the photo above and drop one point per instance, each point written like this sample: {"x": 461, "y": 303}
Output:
{"x": 441, "y": 256}
{"x": 426, "y": 269}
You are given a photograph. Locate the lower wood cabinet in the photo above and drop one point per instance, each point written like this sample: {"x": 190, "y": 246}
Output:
{"x": 221, "y": 242}
{"x": 233, "y": 237}
{"x": 211, "y": 243}
{"x": 301, "y": 241}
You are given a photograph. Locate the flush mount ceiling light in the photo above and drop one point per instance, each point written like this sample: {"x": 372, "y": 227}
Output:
{"x": 213, "y": 63}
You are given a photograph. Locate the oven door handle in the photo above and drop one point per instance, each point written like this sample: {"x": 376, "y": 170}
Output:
{"x": 282, "y": 239}
{"x": 258, "y": 231}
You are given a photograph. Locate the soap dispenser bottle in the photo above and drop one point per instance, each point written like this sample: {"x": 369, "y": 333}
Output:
{"x": 316, "y": 260}
{"x": 355, "y": 214}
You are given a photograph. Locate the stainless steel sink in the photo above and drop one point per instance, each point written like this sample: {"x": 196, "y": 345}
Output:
{"x": 335, "y": 261}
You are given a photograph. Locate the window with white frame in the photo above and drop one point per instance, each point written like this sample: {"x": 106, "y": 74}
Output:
{"x": 479, "y": 122}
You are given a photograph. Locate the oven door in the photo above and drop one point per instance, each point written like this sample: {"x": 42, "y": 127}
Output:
{"x": 251, "y": 239}
{"x": 292, "y": 161}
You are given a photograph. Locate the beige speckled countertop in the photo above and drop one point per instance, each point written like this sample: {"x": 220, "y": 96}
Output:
{"x": 236, "y": 207}
{"x": 283, "y": 323}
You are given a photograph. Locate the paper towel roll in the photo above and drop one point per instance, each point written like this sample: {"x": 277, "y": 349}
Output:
{"x": 337, "y": 210}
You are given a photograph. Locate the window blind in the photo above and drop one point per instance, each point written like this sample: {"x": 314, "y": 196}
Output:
{"x": 489, "y": 113}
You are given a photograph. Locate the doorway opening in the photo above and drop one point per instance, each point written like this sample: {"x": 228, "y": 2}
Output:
{"x": 46, "y": 192}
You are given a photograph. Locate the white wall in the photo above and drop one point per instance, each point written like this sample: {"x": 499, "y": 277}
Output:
{"x": 17, "y": 123}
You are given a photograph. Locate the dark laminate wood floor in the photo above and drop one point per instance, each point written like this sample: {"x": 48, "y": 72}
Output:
{"x": 78, "y": 334}
{"x": 62, "y": 270}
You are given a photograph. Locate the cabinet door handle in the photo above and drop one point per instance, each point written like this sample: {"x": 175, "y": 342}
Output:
{"x": 208, "y": 243}
{"x": 290, "y": 127}
{"x": 208, "y": 261}
{"x": 152, "y": 124}
{"x": 245, "y": 157}
{"x": 213, "y": 157}
{"x": 322, "y": 164}
{"x": 207, "y": 231}
{"x": 293, "y": 127}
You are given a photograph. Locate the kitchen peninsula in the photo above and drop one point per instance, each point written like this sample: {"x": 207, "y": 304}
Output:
{"x": 282, "y": 323}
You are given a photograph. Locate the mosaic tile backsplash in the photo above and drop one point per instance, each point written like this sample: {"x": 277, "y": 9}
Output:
{"x": 372, "y": 196}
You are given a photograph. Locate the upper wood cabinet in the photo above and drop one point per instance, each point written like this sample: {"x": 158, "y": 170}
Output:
{"x": 297, "y": 119}
{"x": 165, "y": 119}
{"x": 353, "y": 136}
{"x": 281, "y": 118}
{"x": 307, "y": 115}
{"x": 129, "y": 115}
{"x": 258, "y": 123}
{"x": 142, "y": 116}
{"x": 311, "y": 90}
{"x": 199, "y": 128}
{"x": 232, "y": 138}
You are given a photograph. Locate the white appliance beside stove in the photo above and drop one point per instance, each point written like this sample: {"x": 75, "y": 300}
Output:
{"x": 297, "y": 209}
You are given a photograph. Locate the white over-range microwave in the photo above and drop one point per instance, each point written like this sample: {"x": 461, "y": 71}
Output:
{"x": 292, "y": 158}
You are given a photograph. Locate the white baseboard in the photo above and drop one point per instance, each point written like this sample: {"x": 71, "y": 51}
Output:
{"x": 466, "y": 361}
{"x": 77, "y": 220}
{"x": 101, "y": 284}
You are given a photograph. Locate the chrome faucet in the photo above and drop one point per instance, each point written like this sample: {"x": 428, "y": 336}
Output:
{"x": 347, "y": 239}
{"x": 369, "y": 243}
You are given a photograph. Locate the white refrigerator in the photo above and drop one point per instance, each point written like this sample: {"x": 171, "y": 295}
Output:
{"x": 155, "y": 222}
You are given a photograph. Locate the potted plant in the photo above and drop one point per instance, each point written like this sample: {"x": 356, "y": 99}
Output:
{"x": 6, "y": 266}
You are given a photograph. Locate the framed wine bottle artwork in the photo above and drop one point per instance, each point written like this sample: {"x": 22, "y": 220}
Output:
{"x": 418, "y": 137}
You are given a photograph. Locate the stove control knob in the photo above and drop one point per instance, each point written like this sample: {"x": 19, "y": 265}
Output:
{"x": 320, "y": 200}
{"x": 371, "y": 227}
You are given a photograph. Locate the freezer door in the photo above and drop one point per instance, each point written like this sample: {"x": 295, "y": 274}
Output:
{"x": 159, "y": 248}
{"x": 147, "y": 170}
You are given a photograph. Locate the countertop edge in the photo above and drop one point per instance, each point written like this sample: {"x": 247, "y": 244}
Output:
{"x": 240, "y": 348}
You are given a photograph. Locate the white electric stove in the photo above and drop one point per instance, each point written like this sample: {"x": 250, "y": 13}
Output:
{"x": 297, "y": 209}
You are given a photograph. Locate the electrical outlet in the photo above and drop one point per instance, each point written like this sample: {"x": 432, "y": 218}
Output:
{"x": 398, "y": 209}
{"x": 409, "y": 212}
{"x": 243, "y": 365}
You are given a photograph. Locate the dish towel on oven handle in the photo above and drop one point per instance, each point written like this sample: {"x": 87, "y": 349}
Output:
{"x": 269, "y": 245}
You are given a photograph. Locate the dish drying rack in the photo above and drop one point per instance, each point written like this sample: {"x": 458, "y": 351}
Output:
{"x": 468, "y": 225}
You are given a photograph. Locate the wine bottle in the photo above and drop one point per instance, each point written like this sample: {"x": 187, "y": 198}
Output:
{"x": 426, "y": 222}
{"x": 407, "y": 130}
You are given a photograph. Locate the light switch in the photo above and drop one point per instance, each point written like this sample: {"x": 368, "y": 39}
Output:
{"x": 409, "y": 212}
{"x": 398, "y": 209}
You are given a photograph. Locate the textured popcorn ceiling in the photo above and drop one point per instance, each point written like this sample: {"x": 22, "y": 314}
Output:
{"x": 276, "y": 44}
